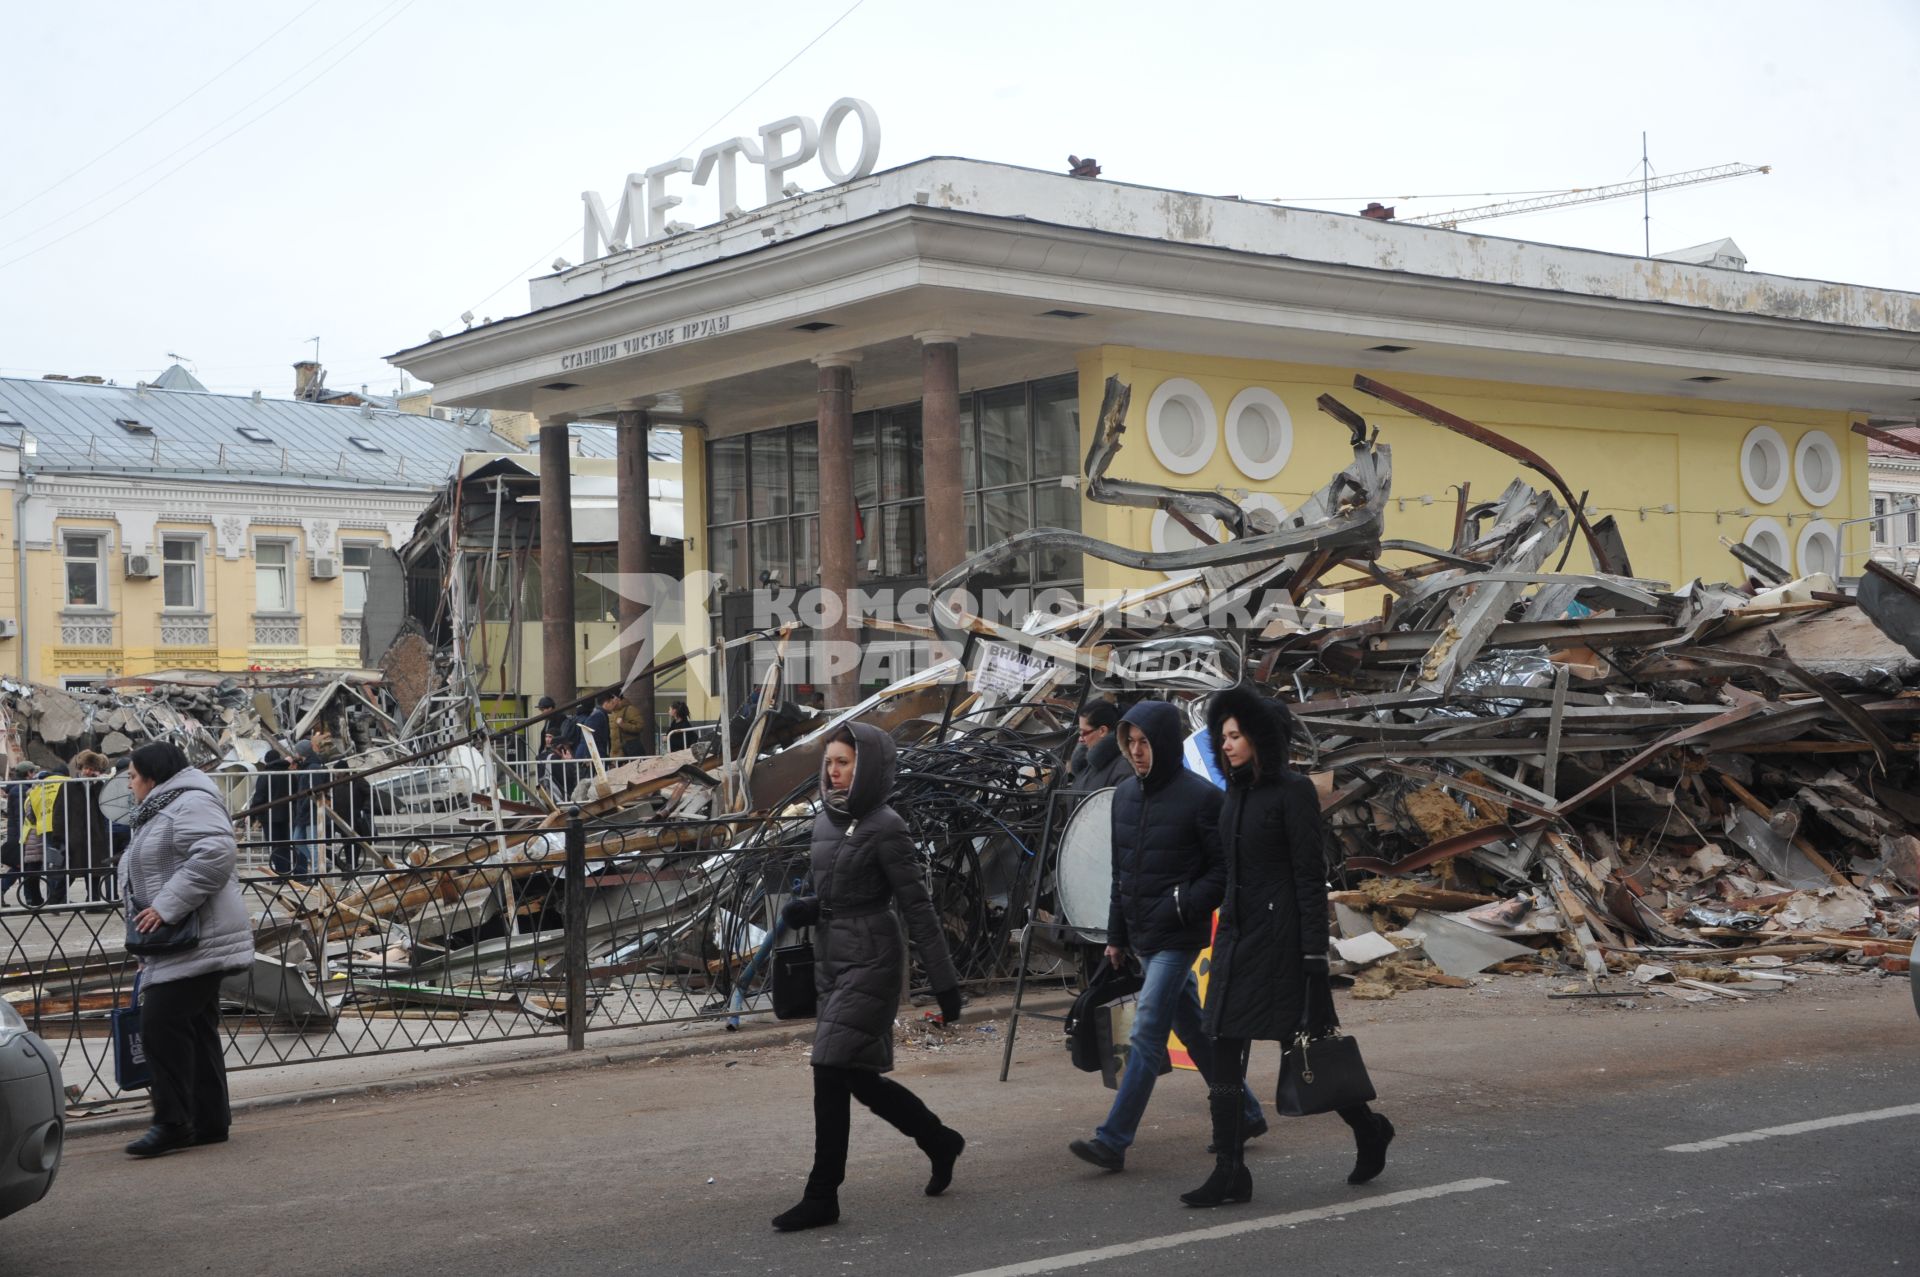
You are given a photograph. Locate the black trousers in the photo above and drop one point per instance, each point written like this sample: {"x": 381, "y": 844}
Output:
{"x": 833, "y": 1091}
{"x": 180, "y": 1029}
{"x": 1230, "y": 1066}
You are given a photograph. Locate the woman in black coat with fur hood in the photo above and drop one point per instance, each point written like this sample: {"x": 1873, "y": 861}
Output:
{"x": 870, "y": 892}
{"x": 1269, "y": 972}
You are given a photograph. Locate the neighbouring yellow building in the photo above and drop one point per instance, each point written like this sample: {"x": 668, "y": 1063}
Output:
{"x": 809, "y": 347}
{"x": 144, "y": 528}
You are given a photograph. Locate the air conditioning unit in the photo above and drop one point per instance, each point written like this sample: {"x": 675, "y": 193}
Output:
{"x": 139, "y": 565}
{"x": 325, "y": 567}
{"x": 9, "y": 628}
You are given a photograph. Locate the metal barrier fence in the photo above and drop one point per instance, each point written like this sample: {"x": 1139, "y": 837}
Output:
{"x": 670, "y": 923}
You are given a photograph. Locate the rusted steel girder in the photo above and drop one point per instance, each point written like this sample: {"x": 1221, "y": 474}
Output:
{"x": 1526, "y": 456}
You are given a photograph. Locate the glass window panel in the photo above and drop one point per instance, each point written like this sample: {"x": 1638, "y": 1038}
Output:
{"x": 357, "y": 556}
{"x": 83, "y": 571}
{"x": 770, "y": 558}
{"x": 901, "y": 466}
{"x": 180, "y": 571}
{"x": 866, "y": 460}
{"x": 866, "y": 554}
{"x": 973, "y": 523}
{"x": 727, "y": 480}
{"x": 905, "y": 551}
{"x": 1005, "y": 513}
{"x": 181, "y": 550}
{"x": 1913, "y": 528}
{"x": 353, "y": 596}
{"x": 806, "y": 551}
{"x": 1056, "y": 428}
{"x": 593, "y": 601}
{"x": 768, "y": 496}
{"x": 727, "y": 556}
{"x": 806, "y": 469}
{"x": 271, "y": 592}
{"x": 1057, "y": 507}
{"x": 1003, "y": 436}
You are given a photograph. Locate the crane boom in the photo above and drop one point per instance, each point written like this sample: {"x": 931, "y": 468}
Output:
{"x": 1589, "y": 195}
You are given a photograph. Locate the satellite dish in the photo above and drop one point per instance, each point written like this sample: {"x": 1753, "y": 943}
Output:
{"x": 1083, "y": 879}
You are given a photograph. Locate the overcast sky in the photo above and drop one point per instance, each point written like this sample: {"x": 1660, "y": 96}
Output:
{"x": 229, "y": 178}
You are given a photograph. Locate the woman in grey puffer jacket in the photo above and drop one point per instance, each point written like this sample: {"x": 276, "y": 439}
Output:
{"x": 180, "y": 862}
{"x": 865, "y": 867}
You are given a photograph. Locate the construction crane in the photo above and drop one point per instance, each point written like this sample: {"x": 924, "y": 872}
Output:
{"x": 1589, "y": 195}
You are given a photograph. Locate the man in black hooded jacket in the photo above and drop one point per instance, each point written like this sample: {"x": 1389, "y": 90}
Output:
{"x": 1168, "y": 877}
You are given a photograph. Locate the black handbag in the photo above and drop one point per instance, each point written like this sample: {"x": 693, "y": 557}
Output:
{"x": 1083, "y": 1020}
{"x": 1321, "y": 1075}
{"x": 168, "y": 937}
{"x": 794, "y": 995}
{"x": 131, "y": 1072}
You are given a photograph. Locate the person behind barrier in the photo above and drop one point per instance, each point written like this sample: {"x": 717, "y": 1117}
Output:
{"x": 79, "y": 830}
{"x": 1269, "y": 974}
{"x": 1101, "y": 765}
{"x": 44, "y": 880}
{"x": 284, "y": 824}
{"x": 182, "y": 863}
{"x": 1168, "y": 878}
{"x": 867, "y": 874}
{"x": 627, "y": 729}
{"x": 16, "y": 798}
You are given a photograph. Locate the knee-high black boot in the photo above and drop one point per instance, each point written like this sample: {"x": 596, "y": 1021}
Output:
{"x": 819, "y": 1205}
{"x": 1231, "y": 1181}
{"x": 1372, "y": 1132}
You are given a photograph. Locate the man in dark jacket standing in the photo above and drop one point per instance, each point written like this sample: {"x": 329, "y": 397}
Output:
{"x": 1168, "y": 878}
{"x": 1098, "y": 762}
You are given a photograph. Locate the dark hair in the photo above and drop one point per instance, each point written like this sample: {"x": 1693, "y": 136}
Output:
{"x": 1098, "y": 714}
{"x": 680, "y": 707}
{"x": 845, "y": 737}
{"x": 611, "y": 694}
{"x": 159, "y": 761}
{"x": 545, "y": 702}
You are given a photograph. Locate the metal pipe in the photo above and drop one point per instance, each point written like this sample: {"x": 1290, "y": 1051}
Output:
{"x": 576, "y": 939}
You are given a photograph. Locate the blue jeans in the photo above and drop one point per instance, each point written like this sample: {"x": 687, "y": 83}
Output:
{"x": 1169, "y": 1001}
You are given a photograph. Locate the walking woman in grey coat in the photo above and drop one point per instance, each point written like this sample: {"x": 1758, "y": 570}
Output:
{"x": 866, "y": 876}
{"x": 1268, "y": 978}
{"x": 180, "y": 863}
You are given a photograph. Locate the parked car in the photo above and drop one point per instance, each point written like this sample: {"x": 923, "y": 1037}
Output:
{"x": 32, "y": 1114}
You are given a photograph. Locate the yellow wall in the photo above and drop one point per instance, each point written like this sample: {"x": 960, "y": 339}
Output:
{"x": 227, "y": 597}
{"x": 1629, "y": 451}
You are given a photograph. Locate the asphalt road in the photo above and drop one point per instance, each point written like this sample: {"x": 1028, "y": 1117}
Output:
{"x": 1535, "y": 1137}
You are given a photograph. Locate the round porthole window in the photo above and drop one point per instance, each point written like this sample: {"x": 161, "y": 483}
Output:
{"x": 1820, "y": 549}
{"x": 1259, "y": 433}
{"x": 1182, "y": 428}
{"x": 1770, "y": 539}
{"x": 1816, "y": 467}
{"x": 1763, "y": 464}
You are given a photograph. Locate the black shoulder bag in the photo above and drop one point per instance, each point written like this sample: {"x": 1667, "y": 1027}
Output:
{"x": 795, "y": 996}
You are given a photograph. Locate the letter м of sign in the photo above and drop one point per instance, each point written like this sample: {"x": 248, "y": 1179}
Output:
{"x": 613, "y": 233}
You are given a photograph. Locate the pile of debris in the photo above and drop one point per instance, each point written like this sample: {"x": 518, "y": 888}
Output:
{"x": 218, "y": 719}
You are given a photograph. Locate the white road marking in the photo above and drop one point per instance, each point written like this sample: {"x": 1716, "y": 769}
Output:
{"x": 1796, "y": 1128}
{"x": 1079, "y": 1258}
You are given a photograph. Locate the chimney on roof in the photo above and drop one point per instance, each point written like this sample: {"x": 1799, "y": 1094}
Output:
{"x": 1378, "y": 212}
{"x": 307, "y": 378}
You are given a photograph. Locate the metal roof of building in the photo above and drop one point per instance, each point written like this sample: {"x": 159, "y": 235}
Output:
{"x": 73, "y": 427}
{"x": 601, "y": 439}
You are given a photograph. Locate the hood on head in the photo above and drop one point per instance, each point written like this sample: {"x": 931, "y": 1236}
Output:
{"x": 1160, "y": 723}
{"x": 874, "y": 766}
{"x": 1263, "y": 720}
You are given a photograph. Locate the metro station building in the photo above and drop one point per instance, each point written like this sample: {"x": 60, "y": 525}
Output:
{"x": 875, "y": 379}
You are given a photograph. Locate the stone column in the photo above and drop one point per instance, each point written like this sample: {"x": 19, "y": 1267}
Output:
{"x": 634, "y": 489}
{"x": 557, "y": 640}
{"x": 945, "y": 486}
{"x": 837, "y": 546}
